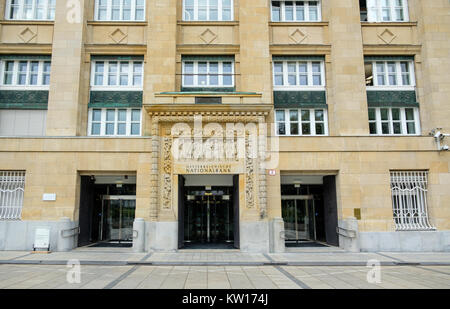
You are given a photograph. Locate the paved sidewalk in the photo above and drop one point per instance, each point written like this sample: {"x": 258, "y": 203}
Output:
{"x": 297, "y": 257}
{"x": 223, "y": 277}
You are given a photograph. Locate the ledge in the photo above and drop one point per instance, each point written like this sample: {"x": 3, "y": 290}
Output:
{"x": 27, "y": 22}
{"x": 300, "y": 49}
{"x": 116, "y": 23}
{"x": 391, "y": 49}
{"x": 299, "y": 24}
{"x": 208, "y": 94}
{"x": 208, "y": 23}
{"x": 389, "y": 24}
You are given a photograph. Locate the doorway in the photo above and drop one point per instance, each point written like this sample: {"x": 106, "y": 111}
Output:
{"x": 107, "y": 210}
{"x": 208, "y": 214}
{"x": 309, "y": 211}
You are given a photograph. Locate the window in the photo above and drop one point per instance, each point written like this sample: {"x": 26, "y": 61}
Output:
{"x": 120, "y": 10}
{"x": 298, "y": 122}
{"x": 394, "y": 121}
{"x": 12, "y": 187}
{"x": 298, "y": 74}
{"x": 117, "y": 74}
{"x": 25, "y": 74}
{"x": 387, "y": 10}
{"x": 390, "y": 74}
{"x": 291, "y": 11}
{"x": 208, "y": 10}
{"x": 207, "y": 73}
{"x": 114, "y": 122}
{"x": 30, "y": 9}
{"x": 409, "y": 200}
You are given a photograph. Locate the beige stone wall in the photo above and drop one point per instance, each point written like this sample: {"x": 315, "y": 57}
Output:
{"x": 361, "y": 164}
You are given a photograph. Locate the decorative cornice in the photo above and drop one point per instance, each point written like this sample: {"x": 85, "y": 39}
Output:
{"x": 117, "y": 24}
{"x": 27, "y": 22}
{"x": 220, "y": 111}
{"x": 26, "y": 48}
{"x": 391, "y": 49}
{"x": 212, "y": 49}
{"x": 302, "y": 49}
{"x": 115, "y": 49}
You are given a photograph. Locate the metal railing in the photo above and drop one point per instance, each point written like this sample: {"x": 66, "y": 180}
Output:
{"x": 409, "y": 200}
{"x": 12, "y": 187}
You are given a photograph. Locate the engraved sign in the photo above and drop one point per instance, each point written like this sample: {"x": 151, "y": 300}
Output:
{"x": 196, "y": 168}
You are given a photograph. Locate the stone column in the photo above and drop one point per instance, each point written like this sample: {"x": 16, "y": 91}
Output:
{"x": 434, "y": 85}
{"x": 255, "y": 55}
{"x": 65, "y": 104}
{"x": 348, "y": 99}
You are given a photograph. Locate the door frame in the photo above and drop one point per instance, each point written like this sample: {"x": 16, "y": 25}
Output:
{"x": 113, "y": 198}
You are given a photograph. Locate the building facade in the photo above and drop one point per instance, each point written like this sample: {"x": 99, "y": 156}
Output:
{"x": 257, "y": 125}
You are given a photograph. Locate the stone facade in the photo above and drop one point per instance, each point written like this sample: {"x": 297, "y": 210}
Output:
{"x": 362, "y": 163}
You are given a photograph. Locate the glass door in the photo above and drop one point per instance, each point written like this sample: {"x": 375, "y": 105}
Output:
{"x": 298, "y": 216}
{"x": 118, "y": 213}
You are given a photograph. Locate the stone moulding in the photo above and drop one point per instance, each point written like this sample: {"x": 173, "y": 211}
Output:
{"x": 24, "y": 99}
{"x": 99, "y": 99}
{"x": 391, "y": 98}
{"x": 288, "y": 99}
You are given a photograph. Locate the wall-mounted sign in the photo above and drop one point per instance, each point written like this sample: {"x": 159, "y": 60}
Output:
{"x": 42, "y": 238}
{"x": 49, "y": 197}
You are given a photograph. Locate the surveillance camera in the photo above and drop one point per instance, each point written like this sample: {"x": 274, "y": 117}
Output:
{"x": 439, "y": 135}
{"x": 445, "y": 147}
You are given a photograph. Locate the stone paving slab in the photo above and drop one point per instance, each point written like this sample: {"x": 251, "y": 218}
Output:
{"x": 223, "y": 258}
{"x": 223, "y": 277}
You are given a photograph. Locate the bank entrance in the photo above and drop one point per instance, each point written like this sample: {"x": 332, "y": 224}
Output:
{"x": 309, "y": 210}
{"x": 208, "y": 212}
{"x": 107, "y": 210}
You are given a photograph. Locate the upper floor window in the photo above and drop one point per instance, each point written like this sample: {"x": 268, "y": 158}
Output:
{"x": 208, "y": 10}
{"x": 299, "y": 74}
{"x": 390, "y": 74}
{"x": 115, "y": 122}
{"x": 394, "y": 121}
{"x": 117, "y": 74}
{"x": 25, "y": 73}
{"x": 387, "y": 10}
{"x": 290, "y": 11}
{"x": 299, "y": 122}
{"x": 30, "y": 9}
{"x": 208, "y": 73}
{"x": 120, "y": 10}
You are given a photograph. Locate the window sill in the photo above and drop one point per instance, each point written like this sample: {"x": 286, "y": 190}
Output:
{"x": 387, "y": 88}
{"x": 277, "y": 88}
{"x": 298, "y": 23}
{"x": 27, "y": 22}
{"x": 389, "y": 23}
{"x": 115, "y": 23}
{"x": 207, "y": 23}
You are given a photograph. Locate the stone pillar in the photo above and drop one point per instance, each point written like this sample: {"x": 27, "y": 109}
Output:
{"x": 160, "y": 68}
{"x": 348, "y": 99}
{"x": 65, "y": 104}
{"x": 139, "y": 235}
{"x": 433, "y": 86}
{"x": 255, "y": 55}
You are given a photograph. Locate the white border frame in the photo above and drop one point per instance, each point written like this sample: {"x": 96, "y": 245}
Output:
{"x": 105, "y": 86}
{"x": 299, "y": 87}
{"x": 220, "y": 74}
{"x": 377, "y": 4}
{"x": 22, "y": 8}
{"x": 402, "y": 121}
{"x": 219, "y": 12}
{"x": 312, "y": 121}
{"x": 116, "y": 115}
{"x": 109, "y": 12}
{"x": 282, "y": 9}
{"x": 412, "y": 76}
{"x": 16, "y": 86}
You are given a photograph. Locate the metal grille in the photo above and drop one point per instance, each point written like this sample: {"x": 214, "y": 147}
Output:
{"x": 12, "y": 186}
{"x": 409, "y": 200}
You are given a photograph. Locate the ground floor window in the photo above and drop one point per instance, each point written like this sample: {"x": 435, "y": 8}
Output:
{"x": 409, "y": 200}
{"x": 12, "y": 186}
{"x": 298, "y": 122}
{"x": 394, "y": 121}
{"x": 114, "y": 122}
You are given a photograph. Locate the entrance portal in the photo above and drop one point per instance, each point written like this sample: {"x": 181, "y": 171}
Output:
{"x": 309, "y": 210}
{"x": 208, "y": 212}
{"x": 107, "y": 210}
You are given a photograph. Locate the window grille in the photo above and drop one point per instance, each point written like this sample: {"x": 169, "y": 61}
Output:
{"x": 409, "y": 200}
{"x": 12, "y": 187}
